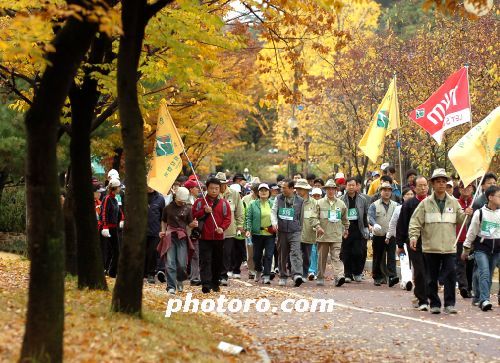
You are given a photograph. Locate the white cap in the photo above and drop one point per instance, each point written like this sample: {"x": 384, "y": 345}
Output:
{"x": 339, "y": 175}
{"x": 246, "y": 170}
{"x": 450, "y": 182}
{"x": 114, "y": 182}
{"x": 113, "y": 174}
{"x": 182, "y": 194}
{"x": 384, "y": 166}
{"x": 236, "y": 187}
{"x": 316, "y": 191}
{"x": 264, "y": 185}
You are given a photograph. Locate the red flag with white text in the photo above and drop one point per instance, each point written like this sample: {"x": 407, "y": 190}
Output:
{"x": 448, "y": 107}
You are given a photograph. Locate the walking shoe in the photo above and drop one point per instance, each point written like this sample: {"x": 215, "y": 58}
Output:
{"x": 282, "y": 282}
{"x": 229, "y": 275}
{"x": 486, "y": 305}
{"x": 161, "y": 276}
{"x": 450, "y": 310}
{"x": 383, "y": 282}
{"x": 436, "y": 310}
{"x": 224, "y": 282}
{"x": 298, "y": 280}
{"x": 180, "y": 286}
{"x": 348, "y": 280}
{"x": 266, "y": 280}
{"x": 320, "y": 282}
{"x": 424, "y": 307}
{"x": 236, "y": 276}
{"x": 409, "y": 286}
{"x": 393, "y": 281}
{"x": 358, "y": 278}
{"x": 195, "y": 282}
{"x": 251, "y": 275}
{"x": 339, "y": 281}
{"x": 376, "y": 282}
{"x": 464, "y": 293}
{"x": 151, "y": 279}
{"x": 171, "y": 291}
{"x": 276, "y": 270}
{"x": 310, "y": 277}
{"x": 205, "y": 289}
{"x": 258, "y": 275}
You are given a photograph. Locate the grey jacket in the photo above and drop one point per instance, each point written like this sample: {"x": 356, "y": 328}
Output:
{"x": 294, "y": 225}
{"x": 362, "y": 205}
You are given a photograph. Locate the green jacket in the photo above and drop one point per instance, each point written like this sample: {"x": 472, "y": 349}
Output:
{"x": 310, "y": 220}
{"x": 252, "y": 218}
{"x": 438, "y": 230}
{"x": 333, "y": 230}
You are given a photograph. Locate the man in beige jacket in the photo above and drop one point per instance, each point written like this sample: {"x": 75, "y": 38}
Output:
{"x": 333, "y": 226}
{"x": 435, "y": 220}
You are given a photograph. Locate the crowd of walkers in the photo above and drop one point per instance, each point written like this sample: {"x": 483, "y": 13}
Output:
{"x": 205, "y": 232}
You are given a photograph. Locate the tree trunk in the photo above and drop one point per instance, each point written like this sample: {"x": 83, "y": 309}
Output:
{"x": 69, "y": 226}
{"x": 43, "y": 336}
{"x": 3, "y": 179}
{"x": 83, "y": 102}
{"x": 117, "y": 159}
{"x": 127, "y": 294}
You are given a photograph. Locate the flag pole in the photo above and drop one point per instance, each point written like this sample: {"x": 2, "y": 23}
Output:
{"x": 398, "y": 142}
{"x": 466, "y": 65}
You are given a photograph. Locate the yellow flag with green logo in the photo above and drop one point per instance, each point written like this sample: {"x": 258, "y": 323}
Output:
{"x": 166, "y": 164}
{"x": 472, "y": 154}
{"x": 383, "y": 122}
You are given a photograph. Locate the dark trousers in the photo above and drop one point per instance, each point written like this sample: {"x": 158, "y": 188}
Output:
{"x": 463, "y": 269}
{"x": 238, "y": 255}
{"x": 440, "y": 265}
{"x": 419, "y": 273}
{"x": 113, "y": 252}
{"x": 211, "y": 262}
{"x": 151, "y": 256}
{"x": 306, "y": 257}
{"x": 353, "y": 255}
{"x": 227, "y": 251}
{"x": 263, "y": 246}
{"x": 106, "y": 256}
{"x": 384, "y": 258}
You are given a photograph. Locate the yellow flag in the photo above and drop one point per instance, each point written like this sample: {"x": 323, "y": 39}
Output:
{"x": 472, "y": 154}
{"x": 166, "y": 164}
{"x": 383, "y": 122}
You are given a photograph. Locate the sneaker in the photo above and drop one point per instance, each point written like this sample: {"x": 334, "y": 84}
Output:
{"x": 229, "y": 275}
{"x": 348, "y": 280}
{"x": 409, "y": 286}
{"x": 266, "y": 280}
{"x": 358, "y": 278}
{"x": 151, "y": 279}
{"x": 425, "y": 307}
{"x": 383, "y": 282}
{"x": 224, "y": 282}
{"x": 450, "y": 310}
{"x": 161, "y": 276}
{"x": 171, "y": 291}
{"x": 258, "y": 275}
{"x": 436, "y": 310}
{"x": 276, "y": 270}
{"x": 205, "y": 289}
{"x": 486, "y": 305}
{"x": 282, "y": 282}
{"x": 320, "y": 282}
{"x": 237, "y": 276}
{"x": 310, "y": 277}
{"x": 195, "y": 282}
{"x": 339, "y": 281}
{"x": 298, "y": 280}
{"x": 393, "y": 281}
{"x": 180, "y": 286}
{"x": 464, "y": 293}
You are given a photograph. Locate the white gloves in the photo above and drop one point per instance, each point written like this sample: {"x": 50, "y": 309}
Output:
{"x": 105, "y": 233}
{"x": 121, "y": 224}
{"x": 377, "y": 228}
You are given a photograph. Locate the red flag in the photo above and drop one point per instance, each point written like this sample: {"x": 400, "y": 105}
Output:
{"x": 448, "y": 107}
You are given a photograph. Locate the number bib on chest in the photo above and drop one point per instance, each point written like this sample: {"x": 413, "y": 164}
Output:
{"x": 488, "y": 228}
{"x": 334, "y": 215}
{"x": 286, "y": 214}
{"x": 352, "y": 214}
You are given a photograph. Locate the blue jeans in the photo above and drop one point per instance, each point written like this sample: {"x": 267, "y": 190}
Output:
{"x": 485, "y": 266}
{"x": 261, "y": 243}
{"x": 313, "y": 266}
{"x": 176, "y": 262}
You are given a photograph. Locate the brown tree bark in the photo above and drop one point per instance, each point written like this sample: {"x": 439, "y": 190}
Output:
{"x": 69, "y": 226}
{"x": 43, "y": 337}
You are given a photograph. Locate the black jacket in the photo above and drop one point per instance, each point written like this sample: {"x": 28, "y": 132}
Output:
{"x": 156, "y": 204}
{"x": 404, "y": 221}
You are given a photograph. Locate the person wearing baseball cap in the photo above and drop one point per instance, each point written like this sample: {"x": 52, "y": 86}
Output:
{"x": 374, "y": 186}
{"x": 435, "y": 221}
{"x": 310, "y": 224}
{"x": 384, "y": 250}
{"x": 333, "y": 227}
